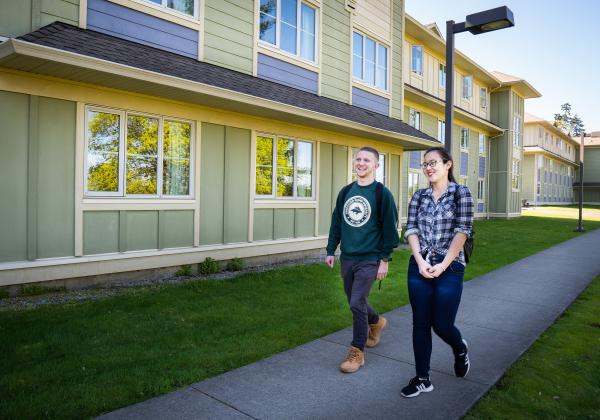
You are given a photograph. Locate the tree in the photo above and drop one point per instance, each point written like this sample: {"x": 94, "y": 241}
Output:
{"x": 570, "y": 124}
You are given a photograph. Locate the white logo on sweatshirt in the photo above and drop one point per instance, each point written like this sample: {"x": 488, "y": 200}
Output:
{"x": 357, "y": 211}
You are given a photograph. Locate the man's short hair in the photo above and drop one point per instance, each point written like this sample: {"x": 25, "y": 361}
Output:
{"x": 370, "y": 150}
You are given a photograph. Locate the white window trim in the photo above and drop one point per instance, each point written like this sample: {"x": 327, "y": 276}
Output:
{"x": 439, "y": 74}
{"x": 482, "y": 153}
{"x": 464, "y": 149}
{"x": 422, "y": 59}
{"x": 442, "y": 131}
{"x": 517, "y": 175}
{"x": 277, "y": 46}
{"x": 464, "y": 78}
{"x": 121, "y": 193}
{"x": 273, "y": 196}
{"x": 163, "y": 6}
{"x": 362, "y": 82}
{"x": 418, "y": 126}
{"x": 481, "y": 200}
{"x": 483, "y": 89}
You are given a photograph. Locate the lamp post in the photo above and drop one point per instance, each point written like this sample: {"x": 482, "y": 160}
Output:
{"x": 476, "y": 23}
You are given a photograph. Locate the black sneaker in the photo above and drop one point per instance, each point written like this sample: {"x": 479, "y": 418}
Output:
{"x": 461, "y": 362}
{"x": 416, "y": 386}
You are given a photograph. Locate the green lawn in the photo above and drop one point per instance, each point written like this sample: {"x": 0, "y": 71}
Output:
{"x": 590, "y": 212}
{"x": 558, "y": 377}
{"x": 83, "y": 359}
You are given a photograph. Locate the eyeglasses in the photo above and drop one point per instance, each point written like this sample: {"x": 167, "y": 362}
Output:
{"x": 430, "y": 164}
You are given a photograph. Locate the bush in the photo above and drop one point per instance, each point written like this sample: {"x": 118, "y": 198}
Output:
{"x": 235, "y": 264}
{"x": 35, "y": 290}
{"x": 184, "y": 271}
{"x": 4, "y": 294}
{"x": 208, "y": 266}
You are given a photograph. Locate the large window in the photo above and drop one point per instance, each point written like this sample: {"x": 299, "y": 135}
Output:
{"x": 517, "y": 131}
{"x": 464, "y": 138}
{"x": 442, "y": 76}
{"x": 516, "y": 170}
{"x": 135, "y": 155}
{"x": 442, "y": 131}
{"x": 417, "y": 59}
{"x": 369, "y": 61}
{"x": 483, "y": 98}
{"x": 467, "y": 91}
{"x": 284, "y": 167}
{"x": 482, "y": 144}
{"x": 414, "y": 118}
{"x": 289, "y": 25}
{"x": 187, "y": 7}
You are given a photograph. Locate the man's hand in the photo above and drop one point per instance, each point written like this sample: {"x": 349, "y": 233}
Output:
{"x": 330, "y": 261}
{"x": 437, "y": 270}
{"x": 382, "y": 270}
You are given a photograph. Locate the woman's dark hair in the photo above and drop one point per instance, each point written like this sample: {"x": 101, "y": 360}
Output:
{"x": 445, "y": 158}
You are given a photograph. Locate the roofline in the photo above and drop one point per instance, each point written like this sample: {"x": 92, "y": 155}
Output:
{"x": 521, "y": 84}
{"x": 554, "y": 129}
{"x": 24, "y": 48}
{"x": 533, "y": 150}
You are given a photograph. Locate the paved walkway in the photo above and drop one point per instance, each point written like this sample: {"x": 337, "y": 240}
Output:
{"x": 502, "y": 313}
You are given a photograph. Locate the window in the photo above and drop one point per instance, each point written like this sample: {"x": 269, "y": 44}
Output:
{"x": 480, "y": 190}
{"x": 416, "y": 62}
{"x": 467, "y": 87}
{"x": 284, "y": 167}
{"x": 442, "y": 76}
{"x": 481, "y": 144}
{"x": 369, "y": 61}
{"x": 517, "y": 131}
{"x": 483, "y": 97}
{"x": 413, "y": 184}
{"x": 516, "y": 169}
{"x": 442, "y": 131}
{"x": 414, "y": 118}
{"x": 464, "y": 138}
{"x": 187, "y": 7}
{"x": 289, "y": 25}
{"x": 130, "y": 154}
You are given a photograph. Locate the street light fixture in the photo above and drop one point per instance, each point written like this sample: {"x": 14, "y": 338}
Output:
{"x": 476, "y": 23}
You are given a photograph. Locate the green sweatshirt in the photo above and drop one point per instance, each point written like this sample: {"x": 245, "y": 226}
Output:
{"x": 355, "y": 224}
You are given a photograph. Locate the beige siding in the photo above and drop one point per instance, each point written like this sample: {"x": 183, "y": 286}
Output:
{"x": 397, "y": 74}
{"x": 336, "y": 54}
{"x": 374, "y": 16}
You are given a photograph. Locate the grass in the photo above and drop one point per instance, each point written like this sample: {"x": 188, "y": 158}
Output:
{"x": 558, "y": 376}
{"x": 590, "y": 212}
{"x": 83, "y": 359}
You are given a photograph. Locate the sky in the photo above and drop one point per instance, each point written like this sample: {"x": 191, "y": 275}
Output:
{"x": 554, "y": 45}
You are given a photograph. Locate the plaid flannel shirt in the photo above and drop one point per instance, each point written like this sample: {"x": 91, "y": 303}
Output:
{"x": 436, "y": 223}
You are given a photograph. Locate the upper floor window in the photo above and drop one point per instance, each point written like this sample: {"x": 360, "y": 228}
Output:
{"x": 417, "y": 59}
{"x": 131, "y": 155}
{"x": 442, "y": 131}
{"x": 516, "y": 171}
{"x": 483, "y": 97}
{"x": 284, "y": 167}
{"x": 464, "y": 138}
{"x": 442, "y": 76}
{"x": 187, "y": 7}
{"x": 369, "y": 61}
{"x": 467, "y": 91}
{"x": 482, "y": 144}
{"x": 414, "y": 118}
{"x": 289, "y": 25}
{"x": 517, "y": 131}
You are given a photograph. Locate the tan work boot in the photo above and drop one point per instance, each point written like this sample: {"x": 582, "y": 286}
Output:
{"x": 375, "y": 332}
{"x": 353, "y": 361}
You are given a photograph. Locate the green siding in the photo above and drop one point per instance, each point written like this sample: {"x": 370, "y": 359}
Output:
{"x": 141, "y": 230}
{"x": 228, "y": 34}
{"x": 284, "y": 223}
{"x": 212, "y": 167}
{"x": 14, "y": 120}
{"x": 304, "y": 223}
{"x": 590, "y": 195}
{"x": 397, "y": 81}
{"x": 394, "y": 181}
{"x": 237, "y": 193}
{"x": 100, "y": 232}
{"x": 176, "y": 228}
{"x": 335, "y": 46}
{"x": 325, "y": 191}
{"x": 403, "y": 202}
{"x": 340, "y": 170}
{"x": 61, "y": 10}
{"x": 528, "y": 179}
{"x": 500, "y": 159}
{"x": 23, "y": 16}
{"x": 263, "y": 224}
{"x": 15, "y": 19}
{"x": 56, "y": 178}
{"x": 591, "y": 164}
{"x": 429, "y": 124}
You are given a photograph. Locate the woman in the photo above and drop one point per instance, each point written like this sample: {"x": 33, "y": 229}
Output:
{"x": 440, "y": 218}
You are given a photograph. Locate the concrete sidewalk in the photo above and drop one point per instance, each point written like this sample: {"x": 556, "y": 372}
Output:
{"x": 502, "y": 313}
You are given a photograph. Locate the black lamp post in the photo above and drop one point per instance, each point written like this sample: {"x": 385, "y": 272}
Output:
{"x": 477, "y": 23}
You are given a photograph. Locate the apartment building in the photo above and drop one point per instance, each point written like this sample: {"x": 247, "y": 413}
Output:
{"x": 591, "y": 171}
{"x": 142, "y": 134}
{"x": 488, "y": 121}
{"x": 550, "y": 163}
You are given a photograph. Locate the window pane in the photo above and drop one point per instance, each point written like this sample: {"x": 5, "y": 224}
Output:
{"x": 370, "y": 61}
{"x": 304, "y": 175}
{"x": 176, "y": 158}
{"x": 417, "y": 59}
{"x": 285, "y": 167}
{"x": 103, "y": 152}
{"x": 264, "y": 165}
{"x": 357, "y": 63}
{"x": 442, "y": 76}
{"x": 142, "y": 154}
{"x": 380, "y": 172}
{"x": 381, "y": 81}
{"x": 307, "y": 33}
{"x": 183, "y": 6}
{"x": 289, "y": 19}
{"x": 268, "y": 20}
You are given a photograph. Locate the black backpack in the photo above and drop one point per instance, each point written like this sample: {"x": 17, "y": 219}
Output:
{"x": 378, "y": 198}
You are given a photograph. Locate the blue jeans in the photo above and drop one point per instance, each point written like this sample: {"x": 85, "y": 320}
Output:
{"x": 434, "y": 305}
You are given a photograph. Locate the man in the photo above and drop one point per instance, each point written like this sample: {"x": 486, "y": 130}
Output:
{"x": 365, "y": 223}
